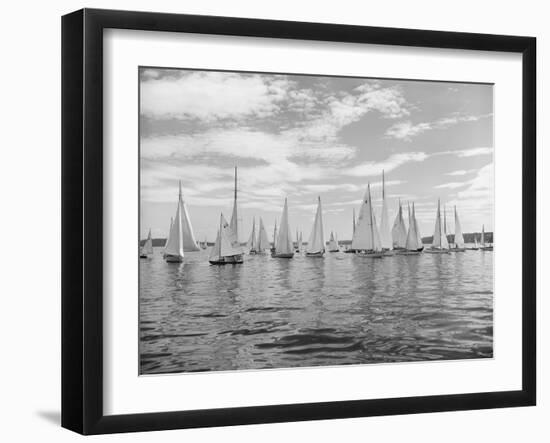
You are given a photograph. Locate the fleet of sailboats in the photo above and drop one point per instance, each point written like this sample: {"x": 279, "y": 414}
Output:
{"x": 369, "y": 239}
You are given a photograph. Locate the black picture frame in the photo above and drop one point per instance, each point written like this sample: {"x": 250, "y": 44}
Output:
{"x": 82, "y": 220}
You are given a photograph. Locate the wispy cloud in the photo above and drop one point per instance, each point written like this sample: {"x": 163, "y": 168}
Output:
{"x": 407, "y": 130}
{"x": 452, "y": 185}
{"x": 460, "y": 172}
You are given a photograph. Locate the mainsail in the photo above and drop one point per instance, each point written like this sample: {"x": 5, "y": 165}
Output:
{"x": 226, "y": 242}
{"x": 316, "y": 241}
{"x": 418, "y": 235}
{"x": 332, "y": 242}
{"x": 459, "y": 238}
{"x": 147, "y": 248}
{"x": 300, "y": 246}
{"x": 385, "y": 234}
{"x": 263, "y": 241}
{"x": 275, "y": 235}
{"x": 412, "y": 243}
{"x": 482, "y": 241}
{"x": 251, "y": 245}
{"x": 168, "y": 235}
{"x": 174, "y": 245}
{"x": 439, "y": 237}
{"x": 399, "y": 231}
{"x": 284, "y": 241}
{"x": 366, "y": 236}
{"x": 188, "y": 236}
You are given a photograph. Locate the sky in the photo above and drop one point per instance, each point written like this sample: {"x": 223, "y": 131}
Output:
{"x": 303, "y": 136}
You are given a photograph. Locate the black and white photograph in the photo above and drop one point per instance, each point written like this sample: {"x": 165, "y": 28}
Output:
{"x": 300, "y": 220}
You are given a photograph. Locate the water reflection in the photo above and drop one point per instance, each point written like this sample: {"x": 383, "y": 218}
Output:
{"x": 305, "y": 311}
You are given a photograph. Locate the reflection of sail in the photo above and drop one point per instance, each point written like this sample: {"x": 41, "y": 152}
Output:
{"x": 316, "y": 242}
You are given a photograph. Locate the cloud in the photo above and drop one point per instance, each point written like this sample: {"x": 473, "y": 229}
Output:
{"x": 459, "y": 172}
{"x": 452, "y": 185}
{"x": 470, "y": 152}
{"x": 211, "y": 95}
{"x": 393, "y": 162}
{"x": 407, "y": 130}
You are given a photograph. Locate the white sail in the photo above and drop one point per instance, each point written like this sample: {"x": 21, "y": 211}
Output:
{"x": 168, "y": 235}
{"x": 188, "y": 236}
{"x": 226, "y": 242}
{"x": 412, "y": 243}
{"x": 148, "y": 246}
{"x": 263, "y": 241}
{"x": 316, "y": 241}
{"x": 251, "y": 245}
{"x": 353, "y": 221}
{"x": 476, "y": 244}
{"x": 332, "y": 242}
{"x": 418, "y": 235}
{"x": 234, "y": 224}
{"x": 366, "y": 235}
{"x": 399, "y": 231}
{"x": 300, "y": 246}
{"x": 385, "y": 233}
{"x": 482, "y": 241}
{"x": 275, "y": 235}
{"x": 439, "y": 237}
{"x": 459, "y": 238}
{"x": 284, "y": 241}
{"x": 174, "y": 246}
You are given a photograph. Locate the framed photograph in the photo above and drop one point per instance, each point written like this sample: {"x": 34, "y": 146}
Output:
{"x": 269, "y": 221}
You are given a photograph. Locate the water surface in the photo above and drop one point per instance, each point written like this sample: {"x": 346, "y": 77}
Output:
{"x": 340, "y": 309}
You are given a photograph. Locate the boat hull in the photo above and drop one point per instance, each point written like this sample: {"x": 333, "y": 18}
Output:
{"x": 334, "y": 250}
{"x": 143, "y": 256}
{"x": 173, "y": 258}
{"x": 486, "y": 248}
{"x": 370, "y": 254}
{"x": 349, "y": 251}
{"x": 230, "y": 260}
{"x": 409, "y": 253}
{"x": 437, "y": 251}
{"x": 289, "y": 255}
{"x": 458, "y": 249}
{"x": 314, "y": 254}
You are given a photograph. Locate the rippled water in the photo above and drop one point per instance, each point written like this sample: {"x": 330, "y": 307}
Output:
{"x": 341, "y": 309}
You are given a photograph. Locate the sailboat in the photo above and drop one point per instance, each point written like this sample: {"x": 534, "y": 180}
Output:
{"x": 173, "y": 252}
{"x": 349, "y": 248}
{"x": 482, "y": 244}
{"x": 274, "y": 238}
{"x": 300, "y": 243}
{"x": 251, "y": 244}
{"x": 333, "y": 243}
{"x": 459, "y": 238}
{"x": 399, "y": 230}
{"x": 204, "y": 244}
{"x": 440, "y": 244}
{"x": 284, "y": 247}
{"x": 476, "y": 244}
{"x": 234, "y": 223}
{"x": 188, "y": 236}
{"x": 263, "y": 241}
{"x": 366, "y": 239}
{"x": 147, "y": 249}
{"x": 167, "y": 237}
{"x": 297, "y": 242}
{"x": 316, "y": 241}
{"x": 385, "y": 233}
{"x": 227, "y": 249}
{"x": 413, "y": 245}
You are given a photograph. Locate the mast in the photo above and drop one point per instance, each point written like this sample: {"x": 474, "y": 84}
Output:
{"x": 220, "y": 248}
{"x": 371, "y": 220}
{"x": 354, "y": 220}
{"x": 234, "y": 224}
